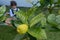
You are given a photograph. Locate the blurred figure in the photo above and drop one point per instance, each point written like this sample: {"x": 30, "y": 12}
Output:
{"x": 13, "y": 9}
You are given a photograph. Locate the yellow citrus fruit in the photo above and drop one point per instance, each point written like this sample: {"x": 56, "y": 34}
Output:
{"x": 22, "y": 29}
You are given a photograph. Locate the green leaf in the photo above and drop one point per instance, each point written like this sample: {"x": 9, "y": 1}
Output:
{"x": 36, "y": 19}
{"x": 58, "y": 19}
{"x": 2, "y": 18}
{"x": 52, "y": 1}
{"x": 58, "y": 1}
{"x": 31, "y": 11}
{"x": 21, "y": 16}
{"x": 58, "y": 26}
{"x": 43, "y": 21}
{"x": 18, "y": 37}
{"x": 52, "y": 19}
{"x": 37, "y": 32}
{"x": 42, "y": 1}
{"x": 2, "y": 10}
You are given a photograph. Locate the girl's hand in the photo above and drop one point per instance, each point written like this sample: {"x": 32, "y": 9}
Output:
{"x": 8, "y": 21}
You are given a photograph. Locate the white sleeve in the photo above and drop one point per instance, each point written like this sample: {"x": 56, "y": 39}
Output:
{"x": 11, "y": 14}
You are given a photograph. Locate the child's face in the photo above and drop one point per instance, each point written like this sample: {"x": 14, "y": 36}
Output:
{"x": 14, "y": 7}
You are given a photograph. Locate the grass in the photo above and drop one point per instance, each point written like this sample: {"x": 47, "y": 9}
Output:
{"x": 7, "y": 33}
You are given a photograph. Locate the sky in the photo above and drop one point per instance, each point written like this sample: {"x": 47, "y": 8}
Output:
{"x": 23, "y": 3}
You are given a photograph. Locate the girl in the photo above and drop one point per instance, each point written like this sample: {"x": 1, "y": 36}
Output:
{"x": 13, "y": 5}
